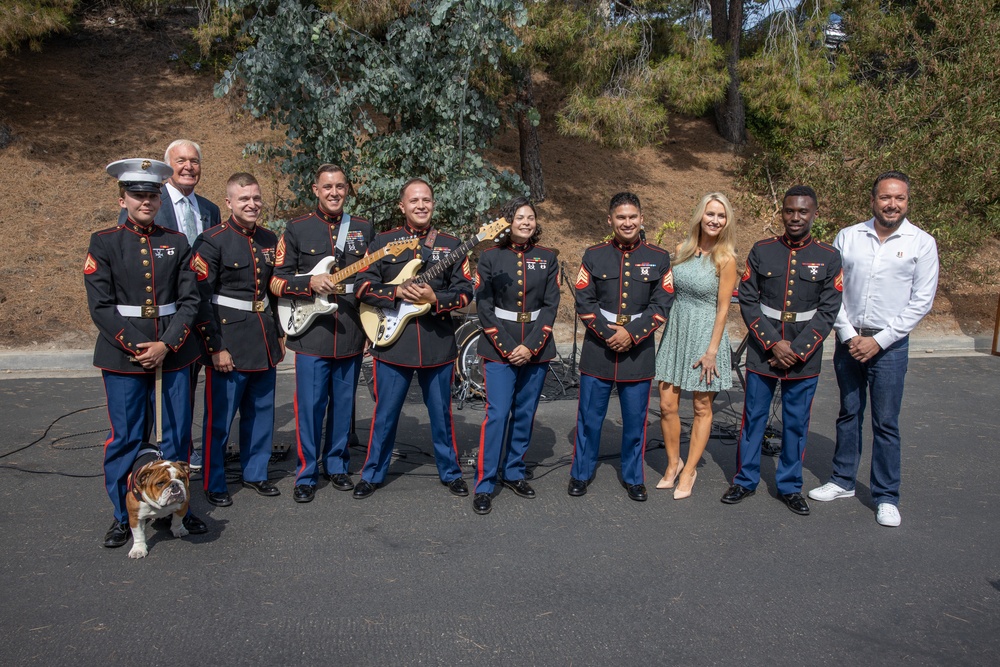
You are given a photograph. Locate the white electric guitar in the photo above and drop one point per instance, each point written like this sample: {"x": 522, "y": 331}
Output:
{"x": 384, "y": 325}
{"x": 297, "y": 313}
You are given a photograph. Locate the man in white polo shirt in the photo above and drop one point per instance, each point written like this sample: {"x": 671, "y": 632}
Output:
{"x": 890, "y": 278}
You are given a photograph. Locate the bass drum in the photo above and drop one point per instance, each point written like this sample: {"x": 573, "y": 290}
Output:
{"x": 469, "y": 365}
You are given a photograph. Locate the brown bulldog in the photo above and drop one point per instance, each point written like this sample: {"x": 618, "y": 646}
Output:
{"x": 156, "y": 489}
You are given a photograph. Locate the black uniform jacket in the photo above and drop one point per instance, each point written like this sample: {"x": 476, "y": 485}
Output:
{"x": 237, "y": 263}
{"x": 130, "y": 265}
{"x": 625, "y": 282}
{"x": 520, "y": 279}
{"x": 792, "y": 278}
{"x": 307, "y": 241}
{"x": 428, "y": 340}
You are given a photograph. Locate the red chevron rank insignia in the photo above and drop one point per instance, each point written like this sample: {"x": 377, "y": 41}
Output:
{"x": 90, "y": 266}
{"x": 746, "y": 272}
{"x": 582, "y": 279}
{"x": 668, "y": 281}
{"x": 466, "y": 269}
{"x": 279, "y": 254}
{"x": 199, "y": 266}
{"x": 838, "y": 282}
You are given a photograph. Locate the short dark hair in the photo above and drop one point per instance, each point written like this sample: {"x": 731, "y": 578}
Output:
{"x": 890, "y": 176}
{"x": 510, "y": 208}
{"x": 241, "y": 179}
{"x": 624, "y": 199}
{"x": 331, "y": 168}
{"x": 801, "y": 191}
{"x": 402, "y": 190}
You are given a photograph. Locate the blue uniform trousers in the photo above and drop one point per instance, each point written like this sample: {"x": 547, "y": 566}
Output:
{"x": 796, "y": 408}
{"x": 252, "y": 394}
{"x": 324, "y": 387}
{"x": 392, "y": 382}
{"x": 512, "y": 394}
{"x": 128, "y": 398}
{"x": 593, "y": 407}
{"x": 882, "y": 376}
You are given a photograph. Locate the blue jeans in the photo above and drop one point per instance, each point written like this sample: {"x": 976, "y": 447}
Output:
{"x": 882, "y": 376}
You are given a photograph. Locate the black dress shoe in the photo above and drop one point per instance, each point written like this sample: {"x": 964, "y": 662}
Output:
{"x": 219, "y": 499}
{"x": 363, "y": 489}
{"x": 795, "y": 502}
{"x": 520, "y": 487}
{"x": 458, "y": 487}
{"x": 636, "y": 492}
{"x": 340, "y": 481}
{"x": 118, "y": 535}
{"x": 304, "y": 493}
{"x": 737, "y": 493}
{"x": 482, "y": 503}
{"x": 264, "y": 488}
{"x": 577, "y": 487}
{"x": 194, "y": 525}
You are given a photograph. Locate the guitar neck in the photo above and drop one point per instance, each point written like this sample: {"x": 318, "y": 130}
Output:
{"x": 446, "y": 261}
{"x": 349, "y": 271}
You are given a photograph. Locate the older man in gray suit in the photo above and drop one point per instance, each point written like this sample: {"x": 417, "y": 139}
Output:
{"x": 187, "y": 212}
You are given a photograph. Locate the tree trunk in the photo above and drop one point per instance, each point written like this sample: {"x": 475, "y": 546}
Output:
{"x": 531, "y": 158}
{"x": 727, "y": 27}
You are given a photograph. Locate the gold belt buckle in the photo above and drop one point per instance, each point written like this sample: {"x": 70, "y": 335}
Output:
{"x": 340, "y": 288}
{"x": 258, "y": 306}
{"x": 787, "y": 316}
{"x": 150, "y": 312}
{"x": 623, "y": 320}
{"x": 523, "y": 317}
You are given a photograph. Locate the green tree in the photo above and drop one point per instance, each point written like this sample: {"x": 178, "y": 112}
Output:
{"x": 916, "y": 89}
{"x": 409, "y": 96}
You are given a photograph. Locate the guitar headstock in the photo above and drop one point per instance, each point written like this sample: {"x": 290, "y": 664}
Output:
{"x": 396, "y": 248}
{"x": 495, "y": 230}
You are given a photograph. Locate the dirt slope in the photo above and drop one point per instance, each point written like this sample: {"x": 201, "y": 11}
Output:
{"x": 111, "y": 91}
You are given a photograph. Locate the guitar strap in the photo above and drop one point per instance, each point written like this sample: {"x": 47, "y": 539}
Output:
{"x": 431, "y": 238}
{"x": 345, "y": 223}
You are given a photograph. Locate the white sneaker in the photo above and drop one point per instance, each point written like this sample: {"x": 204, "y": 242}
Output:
{"x": 830, "y": 491}
{"x": 887, "y": 515}
{"x": 196, "y": 462}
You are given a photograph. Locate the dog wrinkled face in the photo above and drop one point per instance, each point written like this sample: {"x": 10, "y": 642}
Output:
{"x": 165, "y": 482}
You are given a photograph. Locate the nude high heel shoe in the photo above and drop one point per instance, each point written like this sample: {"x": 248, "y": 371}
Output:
{"x": 668, "y": 480}
{"x": 683, "y": 489}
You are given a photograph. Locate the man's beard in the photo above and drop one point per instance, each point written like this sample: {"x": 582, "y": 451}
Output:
{"x": 886, "y": 223}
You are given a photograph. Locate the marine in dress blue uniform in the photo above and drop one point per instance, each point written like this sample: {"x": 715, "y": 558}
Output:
{"x": 517, "y": 298}
{"x": 425, "y": 347}
{"x": 143, "y": 299}
{"x": 328, "y": 353}
{"x": 239, "y": 325}
{"x": 623, "y": 294}
{"x": 790, "y": 294}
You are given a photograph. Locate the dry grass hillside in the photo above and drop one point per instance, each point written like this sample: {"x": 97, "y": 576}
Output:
{"x": 111, "y": 91}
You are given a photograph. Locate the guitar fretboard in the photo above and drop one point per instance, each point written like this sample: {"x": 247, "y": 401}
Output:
{"x": 446, "y": 261}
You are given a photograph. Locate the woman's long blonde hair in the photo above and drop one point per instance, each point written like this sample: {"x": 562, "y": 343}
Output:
{"x": 725, "y": 248}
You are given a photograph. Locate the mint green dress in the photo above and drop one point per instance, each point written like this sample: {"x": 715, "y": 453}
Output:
{"x": 689, "y": 329}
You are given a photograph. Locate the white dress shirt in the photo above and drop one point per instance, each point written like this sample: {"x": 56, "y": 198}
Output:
{"x": 175, "y": 199}
{"x": 888, "y": 285}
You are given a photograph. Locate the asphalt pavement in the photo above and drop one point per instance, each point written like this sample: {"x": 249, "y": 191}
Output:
{"x": 412, "y": 576}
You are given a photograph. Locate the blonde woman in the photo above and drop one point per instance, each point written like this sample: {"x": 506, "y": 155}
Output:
{"x": 694, "y": 351}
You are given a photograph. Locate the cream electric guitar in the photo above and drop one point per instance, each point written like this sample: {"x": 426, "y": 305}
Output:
{"x": 296, "y": 314}
{"x": 384, "y": 325}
